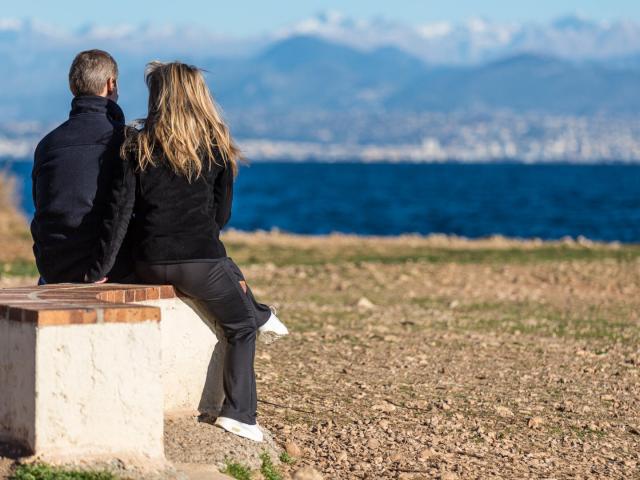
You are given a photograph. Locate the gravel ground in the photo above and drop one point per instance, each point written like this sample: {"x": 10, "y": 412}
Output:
{"x": 422, "y": 370}
{"x": 192, "y": 441}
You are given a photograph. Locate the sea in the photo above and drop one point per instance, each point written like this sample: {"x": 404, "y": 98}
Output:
{"x": 546, "y": 201}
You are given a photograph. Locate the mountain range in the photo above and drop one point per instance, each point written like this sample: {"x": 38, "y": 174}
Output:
{"x": 475, "y": 40}
{"x": 332, "y": 63}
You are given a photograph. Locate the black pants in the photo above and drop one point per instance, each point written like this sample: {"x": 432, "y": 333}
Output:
{"x": 216, "y": 284}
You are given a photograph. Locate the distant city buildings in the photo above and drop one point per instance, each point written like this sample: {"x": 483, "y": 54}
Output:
{"x": 402, "y": 137}
{"x": 438, "y": 137}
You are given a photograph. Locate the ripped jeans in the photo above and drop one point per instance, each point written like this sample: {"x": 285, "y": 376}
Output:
{"x": 220, "y": 287}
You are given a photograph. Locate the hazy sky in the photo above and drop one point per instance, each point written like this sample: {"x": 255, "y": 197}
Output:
{"x": 255, "y": 16}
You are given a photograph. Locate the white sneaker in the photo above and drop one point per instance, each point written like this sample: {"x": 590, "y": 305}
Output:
{"x": 273, "y": 329}
{"x": 252, "y": 432}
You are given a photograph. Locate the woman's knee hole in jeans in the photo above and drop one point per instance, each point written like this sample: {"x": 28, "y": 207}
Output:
{"x": 242, "y": 334}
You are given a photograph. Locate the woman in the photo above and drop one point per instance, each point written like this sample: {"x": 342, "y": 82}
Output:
{"x": 177, "y": 182}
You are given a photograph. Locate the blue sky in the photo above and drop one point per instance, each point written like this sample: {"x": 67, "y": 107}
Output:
{"x": 242, "y": 17}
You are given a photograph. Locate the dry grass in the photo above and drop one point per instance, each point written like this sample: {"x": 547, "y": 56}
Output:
{"x": 15, "y": 239}
{"x": 285, "y": 249}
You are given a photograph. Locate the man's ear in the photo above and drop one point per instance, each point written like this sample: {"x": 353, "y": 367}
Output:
{"x": 112, "y": 89}
{"x": 112, "y": 86}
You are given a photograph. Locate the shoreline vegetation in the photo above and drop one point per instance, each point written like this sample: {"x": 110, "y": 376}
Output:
{"x": 285, "y": 248}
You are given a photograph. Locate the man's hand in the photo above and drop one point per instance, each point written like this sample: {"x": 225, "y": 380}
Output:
{"x": 104, "y": 280}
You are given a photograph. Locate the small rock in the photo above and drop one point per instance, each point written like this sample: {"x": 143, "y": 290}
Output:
{"x": 504, "y": 412}
{"x": 535, "y": 422}
{"x": 448, "y": 476}
{"x": 384, "y": 424}
{"x": 307, "y": 473}
{"x": 373, "y": 444}
{"x": 342, "y": 457}
{"x": 365, "y": 304}
{"x": 426, "y": 454}
{"x": 293, "y": 449}
{"x": 385, "y": 407}
{"x": 396, "y": 457}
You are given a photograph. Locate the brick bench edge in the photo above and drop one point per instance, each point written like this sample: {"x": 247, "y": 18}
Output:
{"x": 73, "y": 304}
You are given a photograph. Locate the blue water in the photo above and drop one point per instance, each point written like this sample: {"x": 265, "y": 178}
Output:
{"x": 601, "y": 202}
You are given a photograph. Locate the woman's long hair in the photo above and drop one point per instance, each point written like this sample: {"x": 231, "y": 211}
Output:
{"x": 183, "y": 123}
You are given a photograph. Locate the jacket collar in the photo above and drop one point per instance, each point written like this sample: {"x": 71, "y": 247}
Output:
{"x": 96, "y": 104}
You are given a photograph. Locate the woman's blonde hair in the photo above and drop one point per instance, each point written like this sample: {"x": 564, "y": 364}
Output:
{"x": 183, "y": 123}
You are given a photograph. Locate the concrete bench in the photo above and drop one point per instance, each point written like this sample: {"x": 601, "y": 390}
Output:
{"x": 91, "y": 370}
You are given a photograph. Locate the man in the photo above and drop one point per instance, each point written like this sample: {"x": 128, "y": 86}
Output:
{"x": 72, "y": 173}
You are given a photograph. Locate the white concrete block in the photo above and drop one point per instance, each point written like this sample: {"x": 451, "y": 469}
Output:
{"x": 82, "y": 390}
{"x": 192, "y": 357}
{"x": 17, "y": 382}
{"x": 99, "y": 390}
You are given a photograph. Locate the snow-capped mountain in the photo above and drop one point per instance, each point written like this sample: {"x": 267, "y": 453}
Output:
{"x": 478, "y": 40}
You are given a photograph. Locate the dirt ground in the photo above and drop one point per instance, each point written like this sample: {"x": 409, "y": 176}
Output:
{"x": 444, "y": 358}
{"x": 477, "y": 370}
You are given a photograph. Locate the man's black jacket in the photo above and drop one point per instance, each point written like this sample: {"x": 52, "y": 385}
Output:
{"x": 72, "y": 177}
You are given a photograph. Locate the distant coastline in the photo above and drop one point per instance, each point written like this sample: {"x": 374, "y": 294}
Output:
{"x": 261, "y": 150}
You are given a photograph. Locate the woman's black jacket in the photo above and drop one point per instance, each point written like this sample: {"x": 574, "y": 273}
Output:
{"x": 170, "y": 218}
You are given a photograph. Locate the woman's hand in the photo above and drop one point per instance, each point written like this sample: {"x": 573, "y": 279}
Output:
{"x": 102, "y": 280}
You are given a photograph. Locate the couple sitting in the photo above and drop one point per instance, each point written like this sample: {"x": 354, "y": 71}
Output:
{"x": 116, "y": 203}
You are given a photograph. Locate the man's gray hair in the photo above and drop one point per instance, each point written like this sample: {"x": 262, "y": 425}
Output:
{"x": 90, "y": 71}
